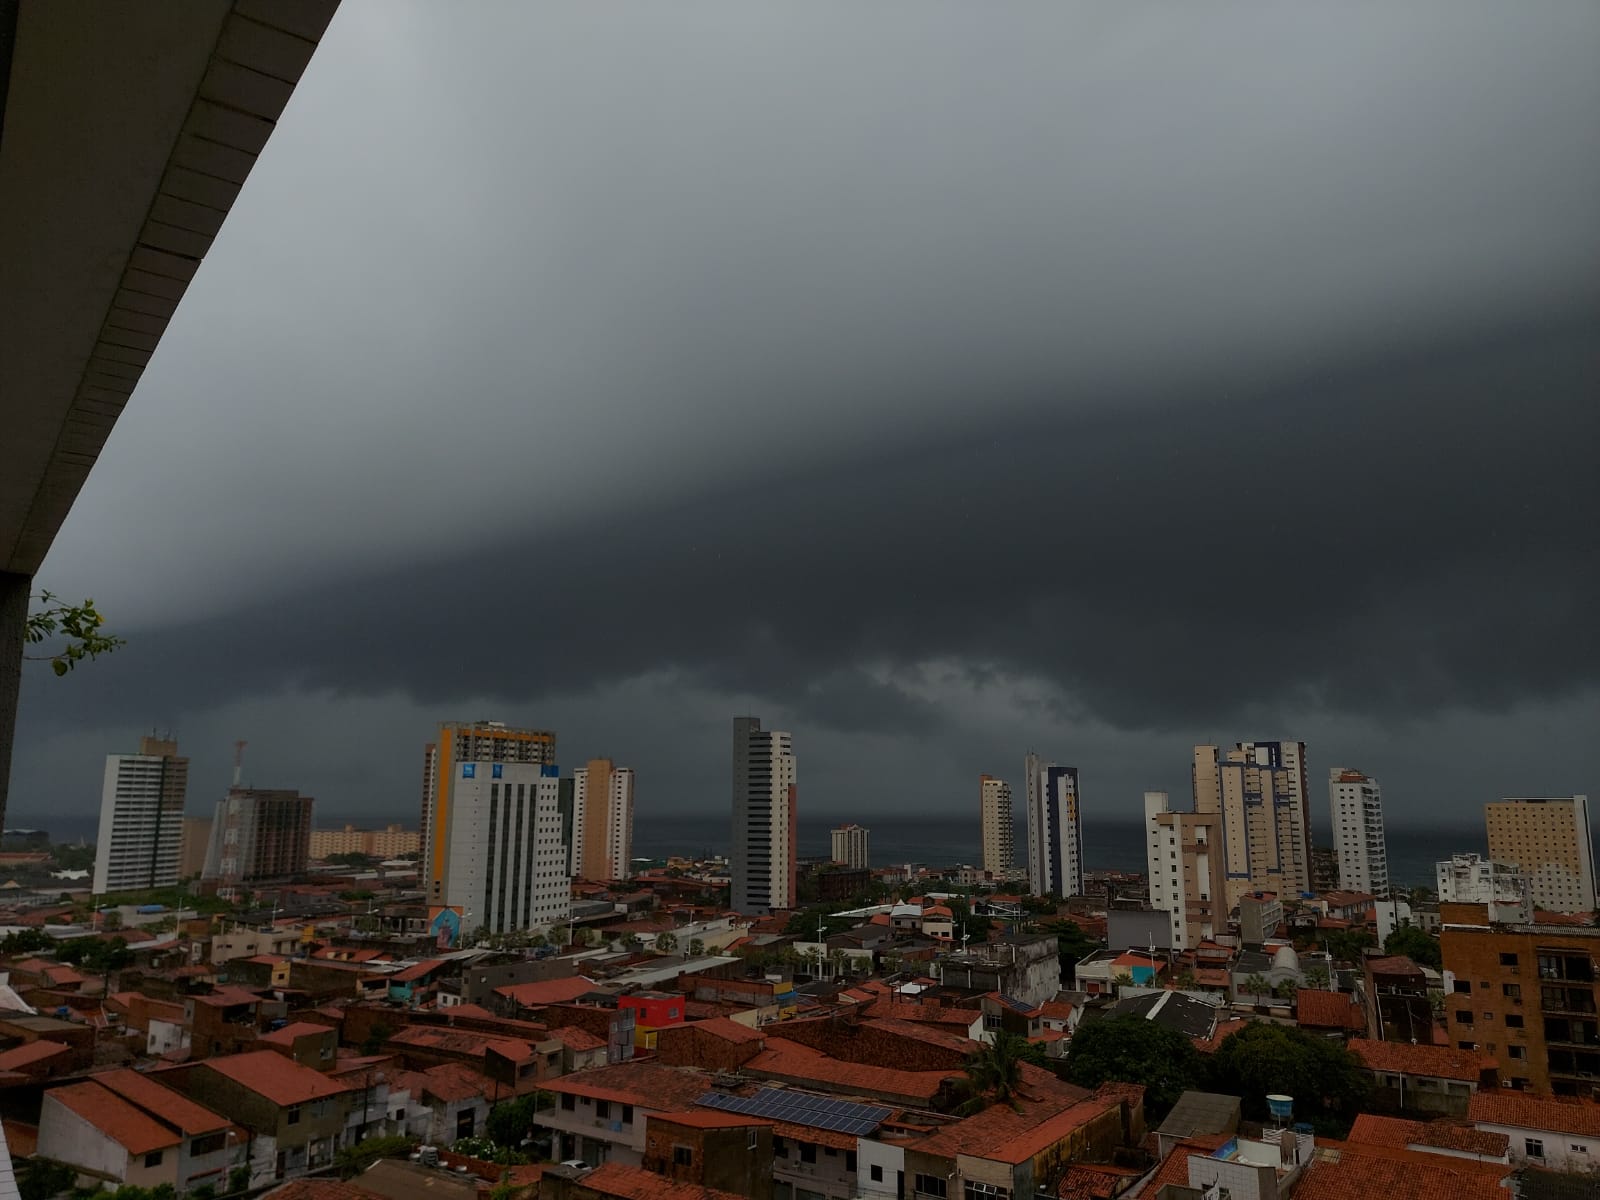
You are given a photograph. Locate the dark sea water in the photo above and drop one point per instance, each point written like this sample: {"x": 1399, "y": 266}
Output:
{"x": 900, "y": 838}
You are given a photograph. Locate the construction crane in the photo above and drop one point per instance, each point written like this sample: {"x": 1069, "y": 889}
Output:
{"x": 238, "y": 763}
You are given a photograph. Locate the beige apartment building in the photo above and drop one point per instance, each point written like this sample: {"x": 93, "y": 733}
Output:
{"x": 1183, "y": 852}
{"x": 192, "y": 847}
{"x": 602, "y": 820}
{"x": 1547, "y": 838}
{"x": 1259, "y": 789}
{"x": 999, "y": 831}
{"x": 391, "y": 841}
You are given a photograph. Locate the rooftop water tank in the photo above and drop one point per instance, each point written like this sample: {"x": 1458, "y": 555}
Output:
{"x": 1281, "y": 1107}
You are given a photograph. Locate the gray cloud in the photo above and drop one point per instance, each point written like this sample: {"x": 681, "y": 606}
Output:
{"x": 1134, "y": 375}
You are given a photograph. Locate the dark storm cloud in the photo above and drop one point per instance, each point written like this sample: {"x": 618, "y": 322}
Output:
{"x": 929, "y": 377}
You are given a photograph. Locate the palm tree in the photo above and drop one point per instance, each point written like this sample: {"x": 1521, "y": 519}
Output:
{"x": 994, "y": 1071}
{"x": 1256, "y": 985}
{"x": 666, "y": 943}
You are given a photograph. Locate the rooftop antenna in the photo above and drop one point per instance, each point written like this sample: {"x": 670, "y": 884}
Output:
{"x": 238, "y": 763}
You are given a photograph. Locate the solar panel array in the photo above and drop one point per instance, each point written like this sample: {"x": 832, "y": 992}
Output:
{"x": 801, "y": 1108}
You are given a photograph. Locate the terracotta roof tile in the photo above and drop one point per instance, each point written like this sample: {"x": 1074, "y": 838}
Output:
{"x": 547, "y": 991}
{"x": 298, "y": 1029}
{"x": 1402, "y": 1058}
{"x": 1322, "y": 1009}
{"x": 783, "y": 1059}
{"x": 170, "y": 1106}
{"x": 279, "y": 1079}
{"x": 121, "y": 1121}
{"x": 615, "y": 1179}
{"x": 646, "y": 1085}
{"x": 1558, "y": 1114}
{"x": 1361, "y": 1173}
{"x": 577, "y": 1039}
{"x": 1441, "y": 1135}
{"x": 30, "y": 1052}
{"x": 727, "y": 1030}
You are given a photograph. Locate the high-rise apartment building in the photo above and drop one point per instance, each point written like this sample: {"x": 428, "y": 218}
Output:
{"x": 1548, "y": 838}
{"x": 389, "y": 842}
{"x": 999, "y": 829}
{"x": 492, "y": 831}
{"x": 1183, "y": 853}
{"x": 1358, "y": 832}
{"x": 1259, "y": 790}
{"x": 851, "y": 846}
{"x": 258, "y": 834}
{"x": 193, "y": 847}
{"x": 141, "y": 818}
{"x": 1055, "y": 828}
{"x": 765, "y": 833}
{"x": 602, "y": 820}
{"x": 1524, "y": 995}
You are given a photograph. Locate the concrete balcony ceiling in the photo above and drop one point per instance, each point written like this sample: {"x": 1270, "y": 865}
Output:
{"x": 126, "y": 131}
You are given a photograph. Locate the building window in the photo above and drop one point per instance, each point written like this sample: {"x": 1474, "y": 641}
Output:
{"x": 1533, "y": 1147}
{"x": 808, "y": 1152}
{"x": 986, "y": 1191}
{"x": 933, "y": 1185}
{"x": 569, "y": 1102}
{"x": 682, "y": 1156}
{"x": 876, "y": 1172}
{"x": 1463, "y": 1016}
{"x": 1508, "y": 960}
{"x": 1461, "y": 985}
{"x": 602, "y": 1109}
{"x": 1488, "y": 1016}
{"x": 1578, "y": 1148}
{"x": 1514, "y": 1021}
{"x": 1511, "y": 991}
{"x": 780, "y": 1148}
{"x": 153, "y": 1159}
{"x": 293, "y": 1115}
{"x": 627, "y": 1114}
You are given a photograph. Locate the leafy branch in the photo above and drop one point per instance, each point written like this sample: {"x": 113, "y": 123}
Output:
{"x": 80, "y": 624}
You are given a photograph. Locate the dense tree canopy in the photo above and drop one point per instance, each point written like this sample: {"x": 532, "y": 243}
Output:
{"x": 1419, "y": 947}
{"x": 1133, "y": 1050}
{"x": 1327, "y": 1082}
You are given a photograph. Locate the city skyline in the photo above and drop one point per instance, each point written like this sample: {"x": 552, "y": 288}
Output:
{"x": 598, "y": 285}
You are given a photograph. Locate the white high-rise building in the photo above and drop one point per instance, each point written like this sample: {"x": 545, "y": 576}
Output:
{"x": 999, "y": 831}
{"x": 762, "y": 865}
{"x": 492, "y": 818}
{"x": 1358, "y": 832}
{"x": 141, "y": 818}
{"x": 1183, "y": 854}
{"x": 1548, "y": 838}
{"x": 851, "y": 845}
{"x": 602, "y": 820}
{"x": 1055, "y": 828}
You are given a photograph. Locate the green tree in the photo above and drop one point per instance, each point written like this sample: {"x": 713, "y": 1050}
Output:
{"x": 510, "y": 1122}
{"x": 1316, "y": 977}
{"x": 26, "y": 941}
{"x": 994, "y": 1071}
{"x": 1255, "y": 985}
{"x": 666, "y": 943}
{"x": 1419, "y": 947}
{"x": 1346, "y": 945}
{"x": 1072, "y": 944}
{"x": 1132, "y": 1050}
{"x": 697, "y": 947}
{"x": 238, "y": 1179}
{"x": 380, "y": 1033}
{"x": 1327, "y": 1082}
{"x": 41, "y": 1178}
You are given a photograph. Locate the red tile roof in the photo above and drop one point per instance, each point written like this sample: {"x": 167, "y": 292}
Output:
{"x": 298, "y": 1029}
{"x": 29, "y": 1053}
{"x": 281, "y": 1080}
{"x": 449, "y": 1082}
{"x": 576, "y": 1039}
{"x": 1558, "y": 1114}
{"x": 1001, "y": 1134}
{"x": 1402, "y": 1058}
{"x": 226, "y": 997}
{"x": 615, "y": 1179}
{"x": 1352, "y": 1172}
{"x": 122, "y": 1122}
{"x": 171, "y": 1106}
{"x": 1440, "y": 1135}
{"x": 317, "y": 1189}
{"x": 708, "y": 1118}
{"x": 417, "y": 970}
{"x": 547, "y": 991}
{"x": 1322, "y": 1009}
{"x": 1394, "y": 964}
{"x": 727, "y": 1030}
{"x": 1095, "y": 1181}
{"x": 647, "y": 1085}
{"x": 783, "y": 1059}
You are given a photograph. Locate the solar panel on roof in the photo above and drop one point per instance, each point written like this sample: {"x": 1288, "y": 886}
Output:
{"x": 802, "y": 1108}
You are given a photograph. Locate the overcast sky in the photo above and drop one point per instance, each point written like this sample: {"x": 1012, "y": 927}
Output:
{"x": 936, "y": 381}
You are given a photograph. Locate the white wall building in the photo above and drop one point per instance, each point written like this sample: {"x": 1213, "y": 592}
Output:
{"x": 999, "y": 828}
{"x": 1469, "y": 879}
{"x": 1055, "y": 828}
{"x": 851, "y": 845}
{"x": 141, "y": 818}
{"x": 506, "y": 866}
{"x": 762, "y": 862}
{"x": 1358, "y": 832}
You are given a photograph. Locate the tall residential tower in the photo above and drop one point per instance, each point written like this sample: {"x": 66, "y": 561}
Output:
{"x": 1358, "y": 832}
{"x": 492, "y": 831}
{"x": 141, "y": 818}
{"x": 852, "y": 845}
{"x": 1259, "y": 789}
{"x": 999, "y": 830}
{"x": 764, "y": 818}
{"x": 602, "y": 820}
{"x": 257, "y": 834}
{"x": 1548, "y": 838}
{"x": 1055, "y": 829}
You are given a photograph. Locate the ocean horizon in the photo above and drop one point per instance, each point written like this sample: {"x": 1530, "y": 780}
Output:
{"x": 933, "y": 840}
